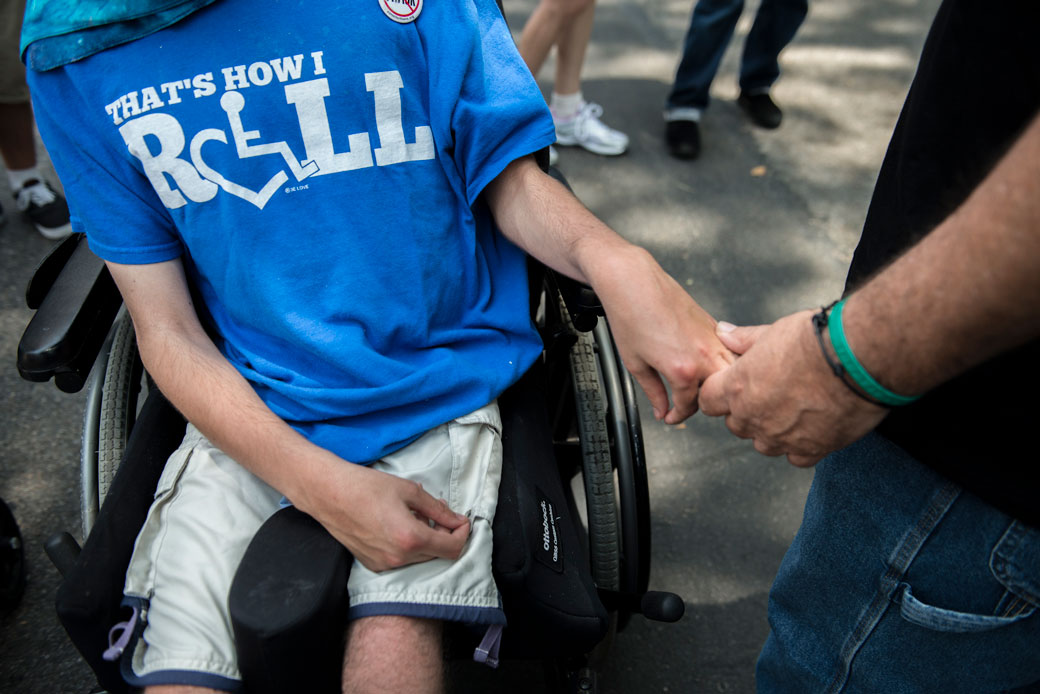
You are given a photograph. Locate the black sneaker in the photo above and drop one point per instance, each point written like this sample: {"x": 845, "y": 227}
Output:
{"x": 761, "y": 109}
{"x": 683, "y": 138}
{"x": 47, "y": 210}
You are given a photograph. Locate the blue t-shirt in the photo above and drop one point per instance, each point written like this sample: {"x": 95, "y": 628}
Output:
{"x": 319, "y": 166}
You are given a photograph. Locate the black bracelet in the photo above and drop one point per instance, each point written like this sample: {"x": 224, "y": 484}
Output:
{"x": 819, "y": 322}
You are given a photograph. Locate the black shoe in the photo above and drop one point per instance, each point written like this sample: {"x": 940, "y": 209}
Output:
{"x": 683, "y": 138}
{"x": 761, "y": 109}
{"x": 45, "y": 209}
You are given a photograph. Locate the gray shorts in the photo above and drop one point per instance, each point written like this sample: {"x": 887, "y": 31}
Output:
{"x": 207, "y": 509}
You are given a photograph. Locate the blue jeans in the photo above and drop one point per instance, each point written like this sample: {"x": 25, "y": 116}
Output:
{"x": 711, "y": 29}
{"x": 899, "y": 581}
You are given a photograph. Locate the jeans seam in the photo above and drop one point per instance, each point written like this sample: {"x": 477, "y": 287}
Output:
{"x": 898, "y": 565}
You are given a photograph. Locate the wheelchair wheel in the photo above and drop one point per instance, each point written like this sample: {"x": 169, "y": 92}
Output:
{"x": 601, "y": 423}
{"x": 629, "y": 461}
{"x": 110, "y": 415}
{"x": 597, "y": 470}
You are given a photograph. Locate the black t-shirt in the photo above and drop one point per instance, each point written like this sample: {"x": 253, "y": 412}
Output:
{"x": 977, "y": 87}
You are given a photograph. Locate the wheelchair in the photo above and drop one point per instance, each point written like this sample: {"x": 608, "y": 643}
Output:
{"x": 572, "y": 531}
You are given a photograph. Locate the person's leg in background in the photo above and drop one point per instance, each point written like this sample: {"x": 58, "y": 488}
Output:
{"x": 899, "y": 581}
{"x": 34, "y": 197}
{"x": 776, "y": 23}
{"x": 570, "y": 50}
{"x": 567, "y": 24}
{"x": 711, "y": 29}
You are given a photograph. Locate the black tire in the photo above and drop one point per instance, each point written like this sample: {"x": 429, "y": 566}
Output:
{"x": 109, "y": 416}
{"x": 597, "y": 469}
{"x": 119, "y": 397}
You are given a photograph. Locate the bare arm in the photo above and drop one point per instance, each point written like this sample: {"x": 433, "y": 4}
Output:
{"x": 968, "y": 291}
{"x": 965, "y": 293}
{"x": 661, "y": 331}
{"x": 370, "y": 512}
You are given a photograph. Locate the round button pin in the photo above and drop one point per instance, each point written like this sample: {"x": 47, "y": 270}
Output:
{"x": 401, "y": 11}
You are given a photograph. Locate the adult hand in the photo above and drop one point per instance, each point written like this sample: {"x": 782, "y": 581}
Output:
{"x": 662, "y": 334}
{"x": 782, "y": 394}
{"x": 385, "y": 521}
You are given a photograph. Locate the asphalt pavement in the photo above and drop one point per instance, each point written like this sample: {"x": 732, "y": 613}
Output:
{"x": 762, "y": 224}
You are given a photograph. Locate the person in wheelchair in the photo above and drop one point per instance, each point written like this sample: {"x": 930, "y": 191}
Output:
{"x": 318, "y": 221}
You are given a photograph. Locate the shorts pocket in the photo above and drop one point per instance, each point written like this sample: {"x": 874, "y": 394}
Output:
{"x": 177, "y": 462}
{"x": 487, "y": 500}
{"x": 476, "y": 442}
{"x": 140, "y": 574}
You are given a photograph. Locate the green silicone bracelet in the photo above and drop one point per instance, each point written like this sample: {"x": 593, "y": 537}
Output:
{"x": 859, "y": 374}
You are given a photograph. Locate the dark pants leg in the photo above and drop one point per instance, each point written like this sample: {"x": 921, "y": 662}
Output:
{"x": 775, "y": 25}
{"x": 711, "y": 29}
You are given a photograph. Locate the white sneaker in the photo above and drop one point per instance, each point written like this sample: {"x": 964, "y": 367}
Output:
{"x": 585, "y": 129}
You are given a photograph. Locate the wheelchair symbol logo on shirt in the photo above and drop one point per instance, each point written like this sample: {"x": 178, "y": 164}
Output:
{"x": 401, "y": 11}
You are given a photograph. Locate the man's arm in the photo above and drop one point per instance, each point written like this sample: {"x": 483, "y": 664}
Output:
{"x": 378, "y": 517}
{"x": 965, "y": 293}
{"x": 661, "y": 332}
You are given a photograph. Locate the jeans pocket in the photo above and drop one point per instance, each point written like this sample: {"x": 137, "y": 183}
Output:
{"x": 1014, "y": 563}
{"x": 952, "y": 621}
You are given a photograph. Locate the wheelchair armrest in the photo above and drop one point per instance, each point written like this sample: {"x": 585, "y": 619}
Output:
{"x": 76, "y": 302}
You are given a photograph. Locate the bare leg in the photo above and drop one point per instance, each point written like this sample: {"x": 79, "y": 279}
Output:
{"x": 393, "y": 654}
{"x": 16, "y": 136}
{"x": 570, "y": 51}
{"x": 545, "y": 28}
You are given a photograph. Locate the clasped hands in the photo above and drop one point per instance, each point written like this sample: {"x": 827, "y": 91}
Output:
{"x": 781, "y": 393}
{"x": 770, "y": 382}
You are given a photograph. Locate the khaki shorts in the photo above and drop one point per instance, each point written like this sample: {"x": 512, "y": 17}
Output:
{"x": 12, "y": 73}
{"x": 207, "y": 509}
